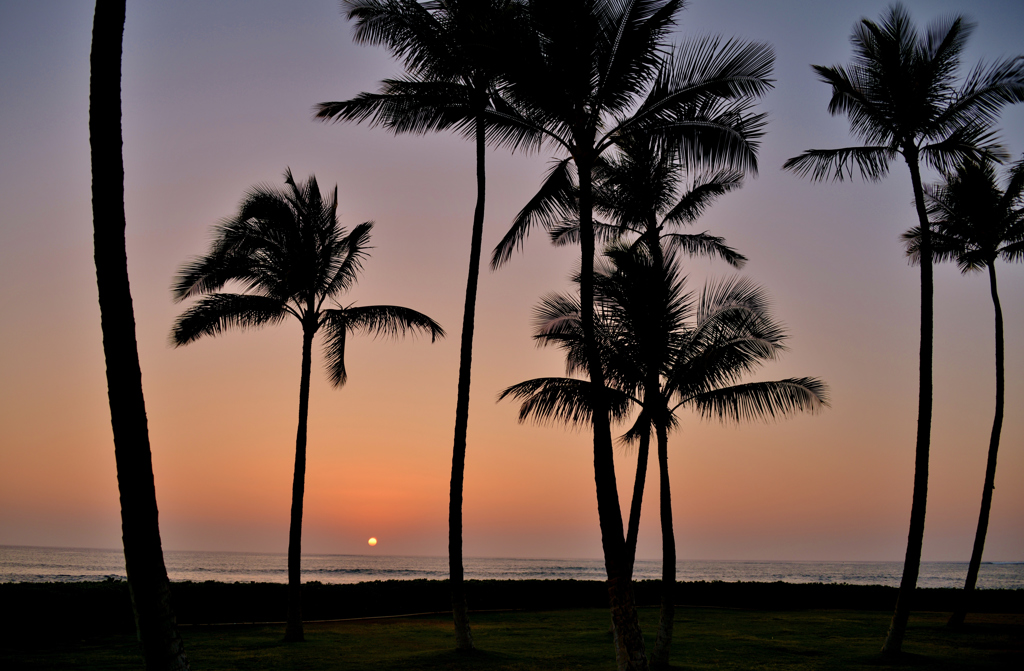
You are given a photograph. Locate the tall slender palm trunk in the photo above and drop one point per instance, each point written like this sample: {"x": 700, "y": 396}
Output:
{"x": 460, "y": 611}
{"x": 652, "y": 383}
{"x": 963, "y": 603}
{"x": 293, "y": 629}
{"x": 662, "y": 645}
{"x": 144, "y": 561}
{"x": 629, "y": 642}
{"x": 912, "y": 563}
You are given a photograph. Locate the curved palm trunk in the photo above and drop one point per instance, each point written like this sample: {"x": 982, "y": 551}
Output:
{"x": 460, "y": 612}
{"x": 155, "y": 624}
{"x": 635, "y": 505}
{"x": 663, "y": 643}
{"x": 912, "y": 563}
{"x": 293, "y": 629}
{"x": 629, "y": 642}
{"x": 960, "y": 613}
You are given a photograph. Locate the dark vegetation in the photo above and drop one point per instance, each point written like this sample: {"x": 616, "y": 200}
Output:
{"x": 74, "y": 611}
{"x": 707, "y": 638}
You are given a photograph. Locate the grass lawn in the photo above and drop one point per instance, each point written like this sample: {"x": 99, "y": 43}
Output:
{"x": 706, "y": 638}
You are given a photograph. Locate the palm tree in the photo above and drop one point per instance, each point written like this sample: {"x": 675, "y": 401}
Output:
{"x": 637, "y": 191}
{"x": 641, "y": 191}
{"x": 155, "y": 624}
{"x": 903, "y": 98}
{"x": 974, "y": 223}
{"x": 291, "y": 257}
{"x": 700, "y": 349}
{"x": 592, "y": 71}
{"x": 452, "y": 51}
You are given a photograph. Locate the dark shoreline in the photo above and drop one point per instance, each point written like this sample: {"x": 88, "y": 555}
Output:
{"x": 100, "y": 608}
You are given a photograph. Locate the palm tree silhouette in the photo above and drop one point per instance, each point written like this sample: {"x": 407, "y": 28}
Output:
{"x": 974, "y": 223}
{"x": 155, "y": 624}
{"x": 594, "y": 70}
{"x": 699, "y": 348}
{"x": 641, "y": 190}
{"x": 637, "y": 195}
{"x": 292, "y": 258}
{"x": 903, "y": 98}
{"x": 453, "y": 52}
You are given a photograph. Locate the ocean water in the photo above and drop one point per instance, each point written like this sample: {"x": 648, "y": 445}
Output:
{"x": 39, "y": 564}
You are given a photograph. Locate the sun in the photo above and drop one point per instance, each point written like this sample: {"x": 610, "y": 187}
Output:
{"x": 371, "y": 542}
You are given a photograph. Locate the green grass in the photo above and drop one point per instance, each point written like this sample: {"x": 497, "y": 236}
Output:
{"x": 706, "y": 638}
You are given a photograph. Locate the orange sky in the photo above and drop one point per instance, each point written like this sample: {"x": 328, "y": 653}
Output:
{"x": 216, "y": 100}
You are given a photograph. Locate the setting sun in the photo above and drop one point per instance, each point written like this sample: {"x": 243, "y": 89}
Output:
{"x": 371, "y": 542}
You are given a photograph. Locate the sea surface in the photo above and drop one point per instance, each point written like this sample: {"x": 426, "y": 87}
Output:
{"x": 45, "y": 564}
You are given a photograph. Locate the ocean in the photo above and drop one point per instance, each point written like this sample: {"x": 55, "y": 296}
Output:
{"x": 45, "y": 564}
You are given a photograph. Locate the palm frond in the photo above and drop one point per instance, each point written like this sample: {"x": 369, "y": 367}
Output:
{"x": 706, "y": 189}
{"x": 216, "y": 313}
{"x": 388, "y": 321}
{"x": 346, "y": 265}
{"x": 509, "y": 128}
{"x": 561, "y": 400}
{"x": 765, "y": 401}
{"x": 555, "y": 200}
{"x": 986, "y": 90}
{"x": 723, "y": 296}
{"x": 376, "y": 320}
{"x": 210, "y": 273}
{"x": 1014, "y": 252}
{"x": 944, "y": 247}
{"x": 703, "y": 244}
{"x": 631, "y": 37}
{"x": 409, "y": 29}
{"x": 568, "y": 233}
{"x": 706, "y": 68}
{"x": 406, "y": 106}
{"x": 838, "y": 164}
{"x": 701, "y": 102}
{"x": 965, "y": 144}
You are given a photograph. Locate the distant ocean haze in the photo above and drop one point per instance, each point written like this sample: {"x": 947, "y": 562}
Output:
{"x": 46, "y": 564}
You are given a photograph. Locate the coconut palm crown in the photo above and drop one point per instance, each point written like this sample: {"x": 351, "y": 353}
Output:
{"x": 641, "y": 190}
{"x": 289, "y": 256}
{"x": 665, "y": 349}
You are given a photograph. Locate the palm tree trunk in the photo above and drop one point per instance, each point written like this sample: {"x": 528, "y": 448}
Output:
{"x": 629, "y": 642}
{"x": 635, "y": 505}
{"x": 912, "y": 563}
{"x": 960, "y": 613}
{"x": 155, "y": 624}
{"x": 293, "y": 629}
{"x": 652, "y": 382}
{"x": 460, "y": 611}
{"x": 662, "y": 646}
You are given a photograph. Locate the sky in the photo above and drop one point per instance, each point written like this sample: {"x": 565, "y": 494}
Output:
{"x": 217, "y": 97}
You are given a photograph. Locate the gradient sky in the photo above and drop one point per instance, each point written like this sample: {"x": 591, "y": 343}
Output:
{"x": 217, "y": 97}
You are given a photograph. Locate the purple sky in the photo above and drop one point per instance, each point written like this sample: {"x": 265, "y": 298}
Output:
{"x": 217, "y": 97}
